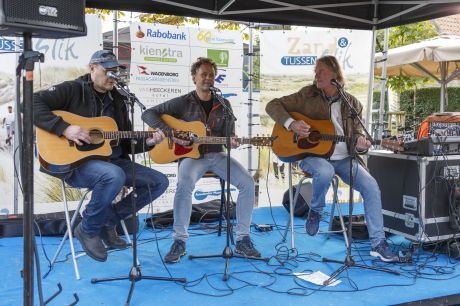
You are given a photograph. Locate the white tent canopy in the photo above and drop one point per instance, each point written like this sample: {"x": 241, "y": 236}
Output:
{"x": 438, "y": 58}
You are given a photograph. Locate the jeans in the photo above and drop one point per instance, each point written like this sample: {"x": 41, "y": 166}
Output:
{"x": 106, "y": 180}
{"x": 322, "y": 172}
{"x": 191, "y": 170}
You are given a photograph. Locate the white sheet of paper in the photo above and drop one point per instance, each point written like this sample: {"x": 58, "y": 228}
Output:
{"x": 317, "y": 278}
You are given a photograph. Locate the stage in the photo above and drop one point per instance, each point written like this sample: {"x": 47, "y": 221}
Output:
{"x": 430, "y": 276}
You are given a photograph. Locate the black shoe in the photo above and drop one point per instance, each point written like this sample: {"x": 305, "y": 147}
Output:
{"x": 111, "y": 239}
{"x": 93, "y": 246}
{"x": 245, "y": 247}
{"x": 312, "y": 222}
{"x": 176, "y": 252}
{"x": 384, "y": 252}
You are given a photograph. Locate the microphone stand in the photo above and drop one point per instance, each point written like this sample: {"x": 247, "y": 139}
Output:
{"x": 135, "y": 274}
{"x": 349, "y": 261}
{"x": 228, "y": 253}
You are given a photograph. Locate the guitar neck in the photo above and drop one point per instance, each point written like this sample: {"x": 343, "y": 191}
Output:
{"x": 218, "y": 140}
{"x": 127, "y": 134}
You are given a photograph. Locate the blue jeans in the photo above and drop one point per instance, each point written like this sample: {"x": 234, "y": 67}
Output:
{"x": 191, "y": 170}
{"x": 106, "y": 179}
{"x": 323, "y": 171}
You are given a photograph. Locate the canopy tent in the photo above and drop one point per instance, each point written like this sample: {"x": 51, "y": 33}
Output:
{"x": 349, "y": 14}
{"x": 437, "y": 58}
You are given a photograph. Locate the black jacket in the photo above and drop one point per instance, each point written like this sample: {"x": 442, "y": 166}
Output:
{"x": 188, "y": 108}
{"x": 78, "y": 97}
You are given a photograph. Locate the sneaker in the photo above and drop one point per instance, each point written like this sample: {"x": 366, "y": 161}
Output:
{"x": 93, "y": 246}
{"x": 383, "y": 251}
{"x": 246, "y": 248}
{"x": 312, "y": 222}
{"x": 111, "y": 239}
{"x": 176, "y": 252}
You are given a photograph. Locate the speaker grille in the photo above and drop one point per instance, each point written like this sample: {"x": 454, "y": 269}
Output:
{"x": 70, "y": 14}
{"x": 43, "y": 18}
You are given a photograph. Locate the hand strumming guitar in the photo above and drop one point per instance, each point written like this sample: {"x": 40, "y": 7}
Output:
{"x": 77, "y": 134}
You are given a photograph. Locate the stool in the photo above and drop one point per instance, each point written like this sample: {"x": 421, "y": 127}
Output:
{"x": 293, "y": 200}
{"x": 210, "y": 174}
{"x": 69, "y": 234}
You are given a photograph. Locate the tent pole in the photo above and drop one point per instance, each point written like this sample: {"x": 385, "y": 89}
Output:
{"x": 370, "y": 98}
{"x": 115, "y": 33}
{"x": 442, "y": 100}
{"x": 383, "y": 84}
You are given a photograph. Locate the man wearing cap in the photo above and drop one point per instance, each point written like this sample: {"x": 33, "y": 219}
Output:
{"x": 94, "y": 95}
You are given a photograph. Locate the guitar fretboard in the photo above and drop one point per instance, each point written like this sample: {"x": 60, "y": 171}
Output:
{"x": 127, "y": 134}
{"x": 218, "y": 140}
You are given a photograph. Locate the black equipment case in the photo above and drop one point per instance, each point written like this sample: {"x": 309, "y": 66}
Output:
{"x": 416, "y": 194}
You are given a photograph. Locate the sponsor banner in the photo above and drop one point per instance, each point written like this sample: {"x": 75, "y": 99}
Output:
{"x": 223, "y": 57}
{"x": 209, "y": 38}
{"x": 295, "y": 52}
{"x": 158, "y": 74}
{"x": 228, "y": 77}
{"x": 159, "y": 34}
{"x": 159, "y": 54}
{"x": 152, "y": 95}
{"x": 62, "y": 53}
{"x": 209, "y": 189}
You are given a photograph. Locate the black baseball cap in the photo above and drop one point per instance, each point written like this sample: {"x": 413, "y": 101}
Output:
{"x": 106, "y": 59}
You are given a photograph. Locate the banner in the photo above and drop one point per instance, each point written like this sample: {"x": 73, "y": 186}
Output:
{"x": 161, "y": 58}
{"x": 65, "y": 59}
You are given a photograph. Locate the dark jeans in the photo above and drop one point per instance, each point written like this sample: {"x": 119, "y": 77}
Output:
{"x": 106, "y": 179}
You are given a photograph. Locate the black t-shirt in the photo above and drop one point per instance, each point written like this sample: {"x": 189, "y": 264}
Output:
{"x": 207, "y": 105}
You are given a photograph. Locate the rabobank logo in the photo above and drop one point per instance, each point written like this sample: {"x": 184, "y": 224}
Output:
{"x": 145, "y": 74}
{"x": 210, "y": 38}
{"x": 305, "y": 60}
{"x": 158, "y": 54}
{"x": 201, "y": 195}
{"x": 166, "y": 34}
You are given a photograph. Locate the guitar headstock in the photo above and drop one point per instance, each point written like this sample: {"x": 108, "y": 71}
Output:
{"x": 262, "y": 141}
{"x": 393, "y": 145}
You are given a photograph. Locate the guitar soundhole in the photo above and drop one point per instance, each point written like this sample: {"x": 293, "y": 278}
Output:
{"x": 96, "y": 136}
{"x": 309, "y": 142}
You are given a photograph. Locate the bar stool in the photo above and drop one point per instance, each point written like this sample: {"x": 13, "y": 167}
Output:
{"x": 335, "y": 205}
{"x": 70, "y": 225}
{"x": 210, "y": 174}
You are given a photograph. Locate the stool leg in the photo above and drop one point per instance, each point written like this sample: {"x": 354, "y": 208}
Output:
{"x": 125, "y": 232}
{"x": 69, "y": 231}
{"x": 291, "y": 209}
{"x": 222, "y": 201}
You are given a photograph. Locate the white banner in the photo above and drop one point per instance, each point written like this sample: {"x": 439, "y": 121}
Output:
{"x": 295, "y": 52}
{"x": 161, "y": 57}
{"x": 65, "y": 59}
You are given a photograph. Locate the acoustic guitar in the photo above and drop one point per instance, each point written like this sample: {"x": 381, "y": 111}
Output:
{"x": 57, "y": 154}
{"x": 195, "y": 132}
{"x": 290, "y": 147}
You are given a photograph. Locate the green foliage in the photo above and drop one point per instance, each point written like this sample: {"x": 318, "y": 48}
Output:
{"x": 103, "y": 13}
{"x": 427, "y": 102}
{"x": 167, "y": 19}
{"x": 402, "y": 36}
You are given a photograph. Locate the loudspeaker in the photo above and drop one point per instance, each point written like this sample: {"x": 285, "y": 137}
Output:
{"x": 43, "y": 18}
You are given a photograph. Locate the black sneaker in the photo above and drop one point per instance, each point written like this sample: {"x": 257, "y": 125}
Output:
{"x": 383, "y": 251}
{"x": 111, "y": 239}
{"x": 176, "y": 252}
{"x": 93, "y": 246}
{"x": 245, "y": 247}
{"x": 312, "y": 222}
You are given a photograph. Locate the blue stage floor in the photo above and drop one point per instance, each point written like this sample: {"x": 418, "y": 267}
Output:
{"x": 251, "y": 282}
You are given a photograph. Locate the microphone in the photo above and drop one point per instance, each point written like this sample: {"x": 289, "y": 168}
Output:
{"x": 336, "y": 84}
{"x": 113, "y": 76}
{"x": 214, "y": 89}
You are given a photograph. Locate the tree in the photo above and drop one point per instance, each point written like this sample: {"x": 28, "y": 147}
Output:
{"x": 402, "y": 36}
